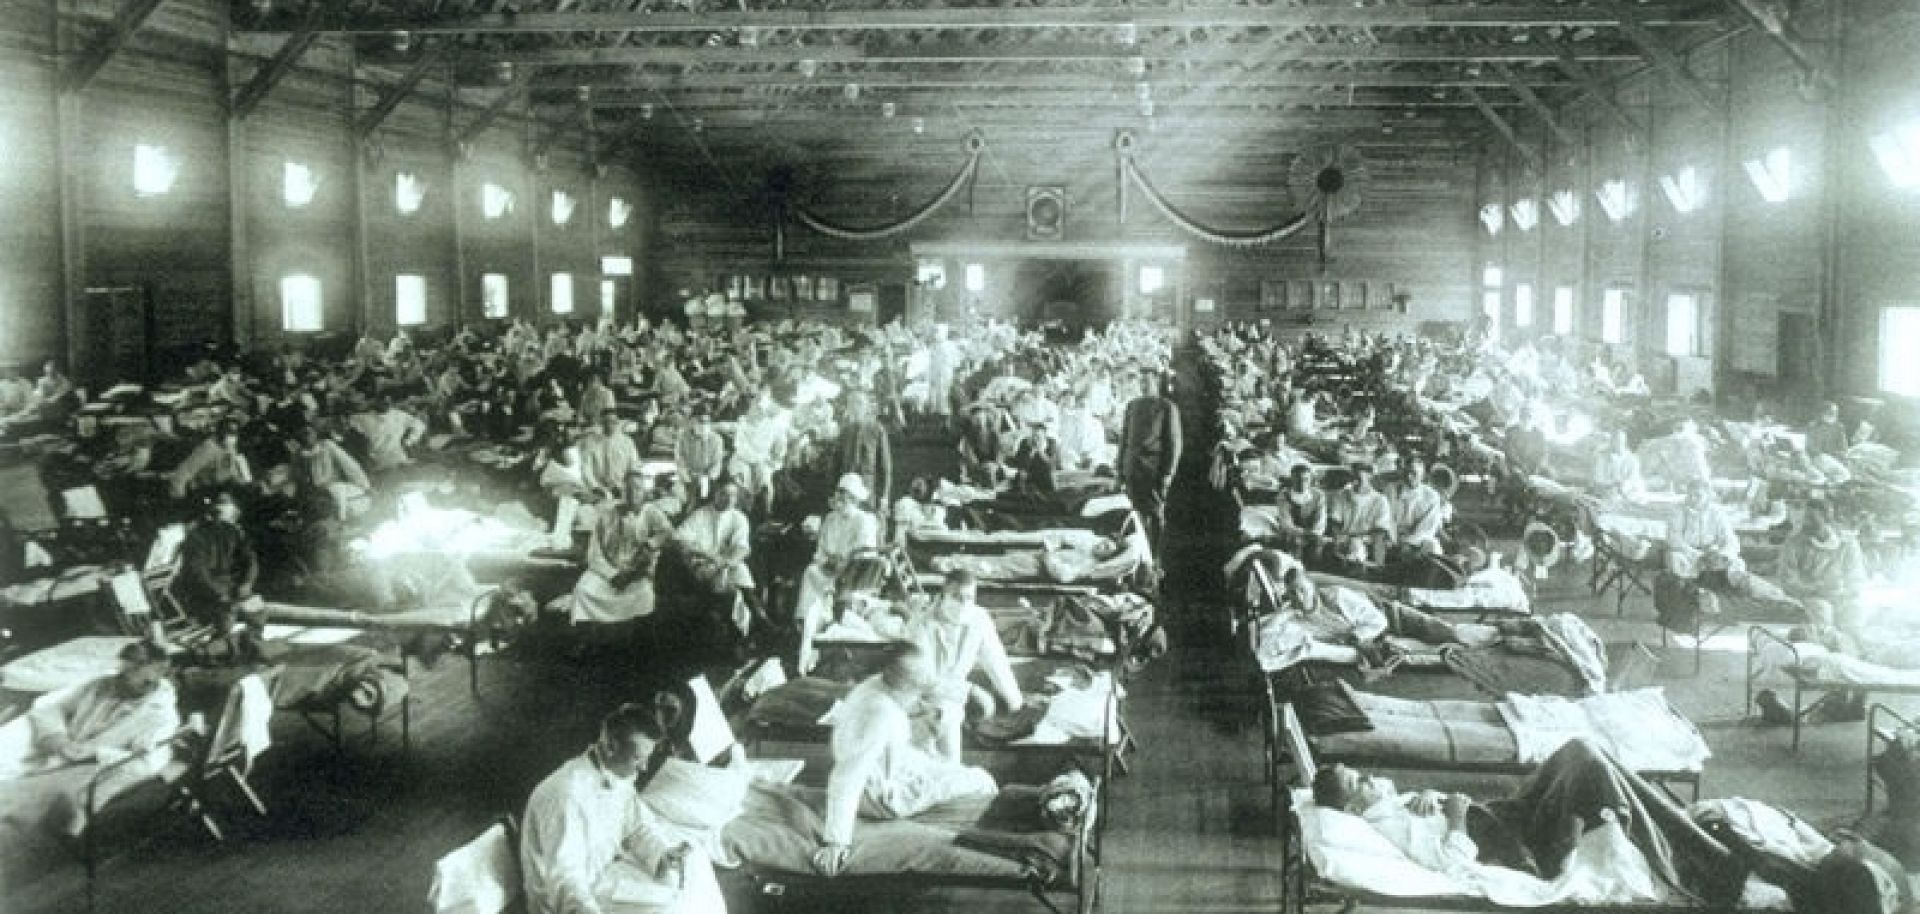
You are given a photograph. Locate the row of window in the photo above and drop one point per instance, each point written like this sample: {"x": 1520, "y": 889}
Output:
{"x": 155, "y": 169}
{"x": 303, "y": 304}
{"x": 1683, "y": 313}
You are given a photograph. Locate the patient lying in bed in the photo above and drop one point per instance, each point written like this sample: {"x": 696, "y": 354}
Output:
{"x": 1108, "y": 559}
{"x": 1584, "y": 829}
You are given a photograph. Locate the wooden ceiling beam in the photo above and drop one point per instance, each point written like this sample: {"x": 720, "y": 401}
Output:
{"x": 912, "y": 102}
{"x": 398, "y": 92}
{"x": 1503, "y": 15}
{"x": 1533, "y": 103}
{"x": 494, "y": 109}
{"x": 1505, "y": 129}
{"x": 269, "y": 74}
{"x": 1376, "y": 79}
{"x": 1268, "y": 53}
{"x": 1665, "y": 59}
{"x": 1600, "y": 91}
{"x": 128, "y": 20}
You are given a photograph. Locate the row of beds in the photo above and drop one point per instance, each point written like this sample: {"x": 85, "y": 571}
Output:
{"x": 1079, "y": 682}
{"x": 1309, "y": 710}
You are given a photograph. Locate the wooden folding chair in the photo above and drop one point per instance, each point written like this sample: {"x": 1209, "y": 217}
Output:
{"x": 225, "y": 758}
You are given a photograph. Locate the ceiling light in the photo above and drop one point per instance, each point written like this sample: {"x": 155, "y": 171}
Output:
{"x": 402, "y": 41}
{"x": 699, "y": 124}
{"x": 808, "y": 68}
{"x": 646, "y": 111}
{"x": 1127, "y": 34}
{"x": 851, "y": 91}
{"x": 749, "y": 37}
{"x": 503, "y": 71}
{"x": 1387, "y": 128}
{"x": 887, "y": 109}
{"x": 919, "y": 125}
{"x": 583, "y": 94}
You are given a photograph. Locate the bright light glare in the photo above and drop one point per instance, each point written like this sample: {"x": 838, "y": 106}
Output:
{"x": 409, "y": 299}
{"x": 408, "y": 192}
{"x": 298, "y": 184}
{"x": 300, "y": 304}
{"x": 493, "y": 295}
{"x": 1565, "y": 206}
{"x": 154, "y": 170}
{"x": 495, "y": 201}
{"x": 563, "y": 205}
{"x": 1686, "y": 190}
{"x": 1526, "y": 214}
{"x": 1494, "y": 217}
{"x": 618, "y": 212}
{"x": 1772, "y": 174}
{"x": 976, "y": 278}
{"x": 1152, "y": 280}
{"x": 423, "y": 528}
{"x": 1898, "y": 151}
{"x": 1616, "y": 199}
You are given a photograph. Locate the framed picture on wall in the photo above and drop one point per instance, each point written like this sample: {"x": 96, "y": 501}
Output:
{"x": 827, "y": 288}
{"x": 1329, "y": 298}
{"x": 1273, "y": 295}
{"x": 860, "y": 298}
{"x": 1353, "y": 296}
{"x": 777, "y": 288}
{"x": 756, "y": 288}
{"x": 803, "y": 288}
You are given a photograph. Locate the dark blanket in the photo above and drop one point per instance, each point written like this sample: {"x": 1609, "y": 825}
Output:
{"x": 1503, "y": 667}
{"x": 1579, "y": 781}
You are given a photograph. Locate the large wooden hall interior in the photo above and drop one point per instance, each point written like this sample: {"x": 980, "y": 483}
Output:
{"x": 1127, "y": 456}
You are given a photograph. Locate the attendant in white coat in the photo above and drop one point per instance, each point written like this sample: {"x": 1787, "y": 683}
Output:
{"x": 846, "y": 529}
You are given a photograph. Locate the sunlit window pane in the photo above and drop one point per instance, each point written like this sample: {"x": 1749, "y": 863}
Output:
{"x": 300, "y": 304}
{"x": 493, "y": 295}
{"x": 1899, "y": 340}
{"x": 562, "y": 293}
{"x": 409, "y": 299}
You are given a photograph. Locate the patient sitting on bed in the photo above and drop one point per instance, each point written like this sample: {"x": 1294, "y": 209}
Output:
{"x": 878, "y": 770}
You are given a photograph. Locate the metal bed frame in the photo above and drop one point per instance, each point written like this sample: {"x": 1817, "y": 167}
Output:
{"x": 1802, "y": 682}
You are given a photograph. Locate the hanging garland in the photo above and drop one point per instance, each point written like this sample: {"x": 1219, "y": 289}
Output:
{"x": 975, "y": 146}
{"x": 1130, "y": 174}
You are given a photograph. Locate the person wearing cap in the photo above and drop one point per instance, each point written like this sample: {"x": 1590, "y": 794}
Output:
{"x": 864, "y": 448}
{"x": 217, "y": 568}
{"x": 1150, "y": 453}
{"x": 700, "y": 454}
{"x": 107, "y": 729}
{"x": 846, "y": 529}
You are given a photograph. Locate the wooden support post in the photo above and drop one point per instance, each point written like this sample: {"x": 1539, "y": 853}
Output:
{"x": 71, "y": 153}
{"x": 361, "y": 254}
{"x": 454, "y": 184}
{"x": 1768, "y": 21}
{"x": 80, "y": 73}
{"x": 244, "y": 319}
{"x": 542, "y": 306}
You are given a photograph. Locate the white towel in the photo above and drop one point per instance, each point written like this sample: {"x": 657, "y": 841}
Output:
{"x": 256, "y": 717}
{"x": 483, "y": 876}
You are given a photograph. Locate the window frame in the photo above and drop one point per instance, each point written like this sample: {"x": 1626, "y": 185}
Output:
{"x": 291, "y": 282}
{"x": 401, "y": 282}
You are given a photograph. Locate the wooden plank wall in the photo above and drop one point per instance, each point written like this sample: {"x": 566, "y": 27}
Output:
{"x": 1410, "y": 231}
{"x": 1751, "y": 260}
{"x": 168, "y": 87}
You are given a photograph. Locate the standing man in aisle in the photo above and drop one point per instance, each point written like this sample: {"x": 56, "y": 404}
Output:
{"x": 1150, "y": 453}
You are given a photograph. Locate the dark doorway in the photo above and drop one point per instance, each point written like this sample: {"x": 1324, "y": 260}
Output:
{"x": 1073, "y": 293}
{"x": 893, "y": 303}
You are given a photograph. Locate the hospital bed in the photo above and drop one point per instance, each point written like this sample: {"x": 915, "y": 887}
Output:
{"x": 1813, "y": 668}
{"x": 1324, "y": 861}
{"x": 777, "y": 834}
{"x": 1508, "y": 737}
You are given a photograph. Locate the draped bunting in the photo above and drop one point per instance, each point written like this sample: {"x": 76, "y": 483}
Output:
{"x": 1131, "y": 174}
{"x": 963, "y": 179}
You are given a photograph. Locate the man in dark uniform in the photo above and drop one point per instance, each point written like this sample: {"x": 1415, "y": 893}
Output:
{"x": 1149, "y": 454}
{"x": 217, "y": 569}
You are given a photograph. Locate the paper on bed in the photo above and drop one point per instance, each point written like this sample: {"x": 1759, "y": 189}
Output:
{"x": 710, "y": 735}
{"x": 83, "y": 503}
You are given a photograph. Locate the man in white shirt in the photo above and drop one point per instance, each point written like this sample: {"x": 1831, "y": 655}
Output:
{"x": 760, "y": 449}
{"x": 608, "y": 456}
{"x": 877, "y": 770}
{"x": 588, "y": 845}
{"x": 389, "y": 431}
{"x": 1419, "y": 512}
{"x": 1360, "y": 519}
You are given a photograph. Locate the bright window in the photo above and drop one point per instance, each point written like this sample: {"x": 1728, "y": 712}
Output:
{"x": 1491, "y": 277}
{"x": 298, "y": 184}
{"x": 1683, "y": 324}
{"x": 495, "y": 201}
{"x": 609, "y": 297}
{"x": 616, "y": 266}
{"x": 618, "y": 212}
{"x": 976, "y": 278}
{"x": 1152, "y": 280}
{"x": 1565, "y": 206}
{"x": 563, "y": 206}
{"x": 1685, "y": 190}
{"x": 1613, "y": 317}
{"x": 300, "y": 304}
{"x": 1526, "y": 214}
{"x": 409, "y": 299}
{"x": 1523, "y": 305}
{"x": 562, "y": 293}
{"x": 493, "y": 295}
{"x": 154, "y": 170}
{"x": 1616, "y": 199}
{"x": 1772, "y": 174}
{"x": 1899, "y": 336}
{"x": 1898, "y": 151}
{"x": 1563, "y": 311}
{"x": 1493, "y": 216}
{"x": 408, "y": 192}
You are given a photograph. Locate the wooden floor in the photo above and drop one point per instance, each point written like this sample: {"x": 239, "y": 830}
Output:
{"x": 1190, "y": 831}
